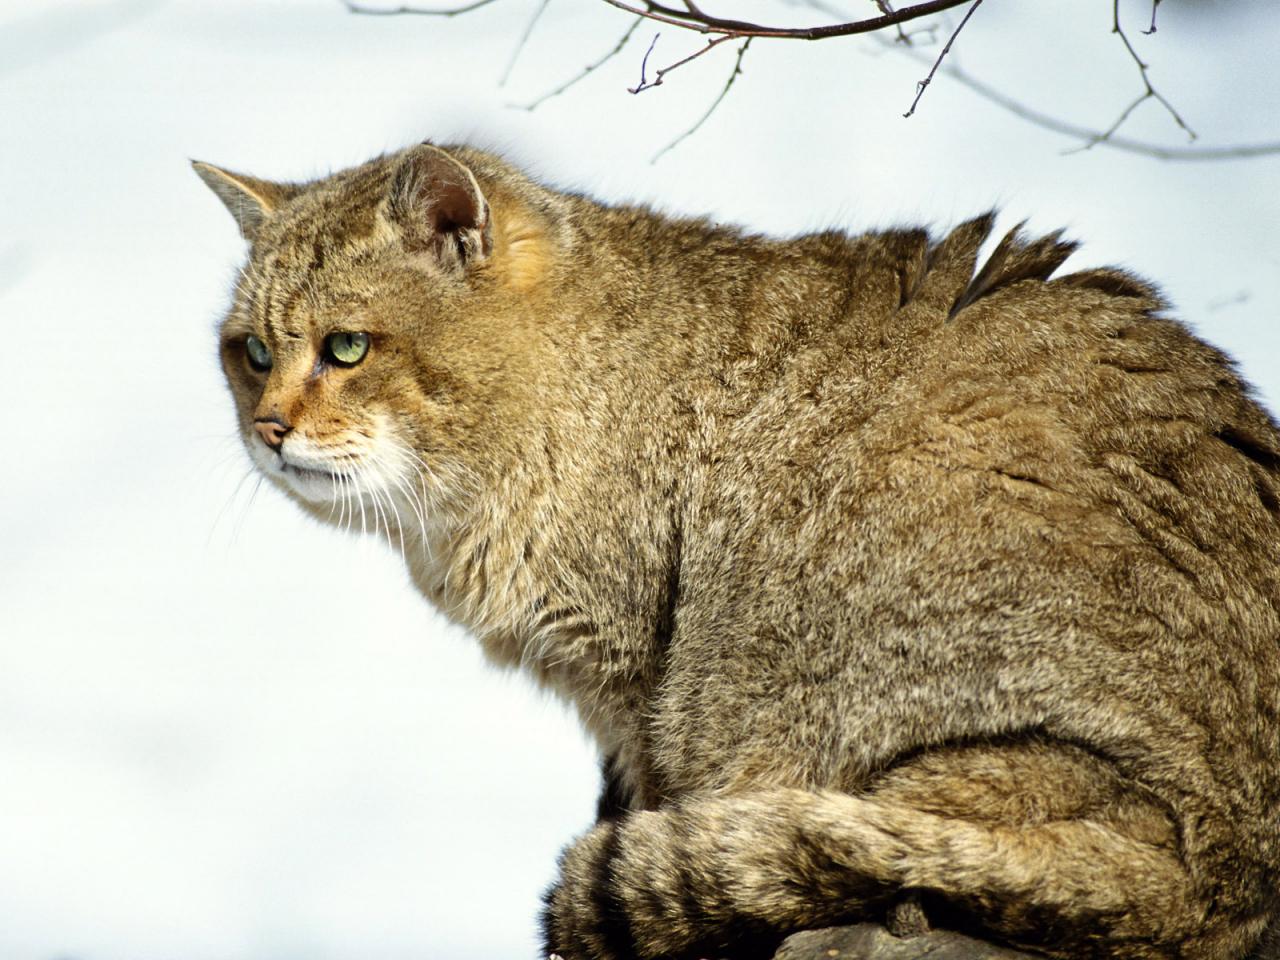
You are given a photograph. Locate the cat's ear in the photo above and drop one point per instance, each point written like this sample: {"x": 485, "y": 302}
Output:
{"x": 250, "y": 200}
{"x": 438, "y": 208}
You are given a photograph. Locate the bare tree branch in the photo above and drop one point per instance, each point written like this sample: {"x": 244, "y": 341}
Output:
{"x": 1149, "y": 92}
{"x": 704, "y": 23}
{"x": 884, "y": 6}
{"x": 1094, "y": 137}
{"x": 737, "y": 69}
{"x": 924, "y": 84}
{"x": 586, "y": 71}
{"x": 524, "y": 38}
{"x": 690, "y": 16}
{"x": 645, "y": 84}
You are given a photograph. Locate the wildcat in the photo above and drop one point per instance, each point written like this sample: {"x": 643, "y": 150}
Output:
{"x": 884, "y": 582}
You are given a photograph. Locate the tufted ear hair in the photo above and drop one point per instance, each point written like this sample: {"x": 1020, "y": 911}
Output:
{"x": 438, "y": 208}
{"x": 250, "y": 200}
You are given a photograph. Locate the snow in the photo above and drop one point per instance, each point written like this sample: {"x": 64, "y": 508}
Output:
{"x": 228, "y": 733}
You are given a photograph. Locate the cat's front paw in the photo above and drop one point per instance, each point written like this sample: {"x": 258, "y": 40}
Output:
{"x": 585, "y": 918}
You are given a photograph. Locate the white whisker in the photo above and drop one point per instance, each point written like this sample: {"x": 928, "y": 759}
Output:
{"x": 231, "y": 498}
{"x": 359, "y": 497}
{"x": 244, "y": 513}
{"x": 375, "y": 503}
{"x": 389, "y": 506}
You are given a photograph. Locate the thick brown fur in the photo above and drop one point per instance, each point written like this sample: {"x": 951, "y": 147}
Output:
{"x": 880, "y": 577}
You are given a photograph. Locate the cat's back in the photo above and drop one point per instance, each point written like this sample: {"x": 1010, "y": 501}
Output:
{"x": 1038, "y": 507}
{"x": 1060, "y": 404}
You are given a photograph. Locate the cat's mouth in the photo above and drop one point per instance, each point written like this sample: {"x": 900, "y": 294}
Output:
{"x": 311, "y": 473}
{"x": 318, "y": 484}
{"x": 322, "y": 474}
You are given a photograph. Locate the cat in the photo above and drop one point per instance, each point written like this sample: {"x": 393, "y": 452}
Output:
{"x": 883, "y": 581}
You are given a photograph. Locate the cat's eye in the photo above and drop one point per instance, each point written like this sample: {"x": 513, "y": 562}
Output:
{"x": 346, "y": 348}
{"x": 259, "y": 355}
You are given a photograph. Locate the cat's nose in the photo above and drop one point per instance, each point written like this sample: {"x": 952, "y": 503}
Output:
{"x": 272, "y": 431}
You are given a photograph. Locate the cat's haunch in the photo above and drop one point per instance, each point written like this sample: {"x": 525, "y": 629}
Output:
{"x": 879, "y": 577}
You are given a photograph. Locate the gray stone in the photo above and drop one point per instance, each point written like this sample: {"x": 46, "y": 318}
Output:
{"x": 868, "y": 941}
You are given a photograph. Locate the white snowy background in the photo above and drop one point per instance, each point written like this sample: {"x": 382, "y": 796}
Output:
{"x": 229, "y": 734}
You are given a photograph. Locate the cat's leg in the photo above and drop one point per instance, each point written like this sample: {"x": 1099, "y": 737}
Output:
{"x": 615, "y": 799}
{"x": 734, "y": 874}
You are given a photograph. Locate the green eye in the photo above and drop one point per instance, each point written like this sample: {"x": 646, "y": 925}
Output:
{"x": 259, "y": 355}
{"x": 346, "y": 349}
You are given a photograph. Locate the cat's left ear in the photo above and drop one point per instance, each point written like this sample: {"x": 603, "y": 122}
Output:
{"x": 438, "y": 207}
{"x": 250, "y": 200}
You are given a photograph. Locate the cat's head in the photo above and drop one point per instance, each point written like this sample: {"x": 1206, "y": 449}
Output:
{"x": 381, "y": 345}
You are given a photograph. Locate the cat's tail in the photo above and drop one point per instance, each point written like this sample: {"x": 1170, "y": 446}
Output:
{"x": 732, "y": 875}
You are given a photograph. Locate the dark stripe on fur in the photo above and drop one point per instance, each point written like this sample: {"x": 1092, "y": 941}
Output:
{"x": 270, "y": 307}
{"x": 958, "y": 250}
{"x": 1268, "y": 496}
{"x": 691, "y": 905}
{"x": 666, "y": 622}
{"x": 317, "y": 257}
{"x": 912, "y": 247}
{"x": 614, "y": 923}
{"x": 1255, "y": 449}
{"x": 700, "y": 907}
{"x": 1013, "y": 260}
{"x": 614, "y": 800}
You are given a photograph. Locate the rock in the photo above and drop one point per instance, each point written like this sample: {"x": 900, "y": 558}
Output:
{"x": 868, "y": 941}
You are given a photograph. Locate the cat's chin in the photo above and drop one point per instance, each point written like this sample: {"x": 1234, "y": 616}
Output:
{"x": 316, "y": 487}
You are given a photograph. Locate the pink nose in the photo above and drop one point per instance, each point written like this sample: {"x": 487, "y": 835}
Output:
{"x": 272, "y": 432}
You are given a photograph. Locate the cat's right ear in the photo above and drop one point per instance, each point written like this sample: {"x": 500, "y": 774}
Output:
{"x": 438, "y": 208}
{"x": 250, "y": 200}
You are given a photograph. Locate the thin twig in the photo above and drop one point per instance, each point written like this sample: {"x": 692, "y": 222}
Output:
{"x": 924, "y": 84}
{"x": 702, "y": 23}
{"x": 737, "y": 69}
{"x": 658, "y": 76}
{"x": 586, "y": 71}
{"x": 1154, "y": 5}
{"x": 1115, "y": 125}
{"x": 524, "y": 38}
{"x": 908, "y": 37}
{"x": 644, "y": 65}
{"x": 1023, "y": 112}
{"x": 1148, "y": 93}
{"x": 412, "y": 11}
{"x": 886, "y": 9}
